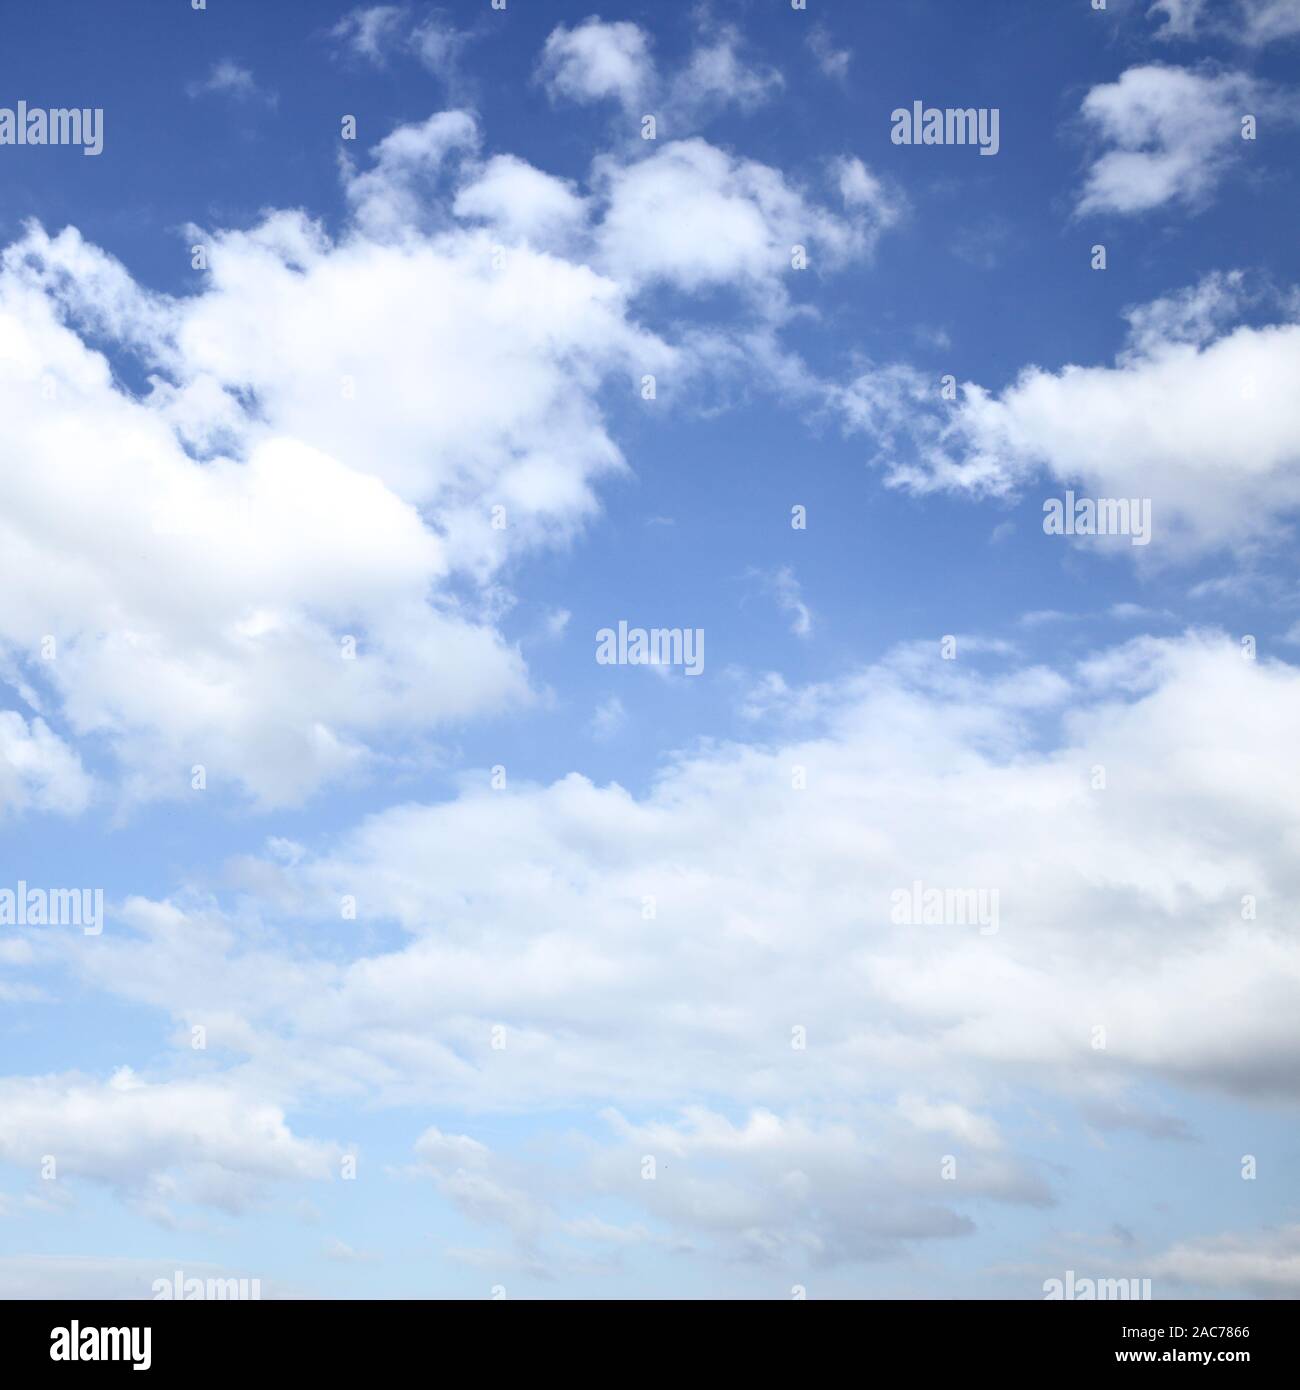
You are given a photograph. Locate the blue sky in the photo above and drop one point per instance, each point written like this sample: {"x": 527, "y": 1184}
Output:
{"x": 456, "y": 311}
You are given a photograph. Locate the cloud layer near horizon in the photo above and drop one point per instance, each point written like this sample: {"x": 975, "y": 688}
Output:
{"x": 771, "y": 891}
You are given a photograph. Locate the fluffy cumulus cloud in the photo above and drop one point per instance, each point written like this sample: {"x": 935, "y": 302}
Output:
{"x": 279, "y": 552}
{"x": 200, "y": 607}
{"x": 1196, "y": 414}
{"x": 748, "y": 929}
{"x": 1169, "y": 135}
{"x": 598, "y": 61}
{"x": 718, "y": 74}
{"x": 377, "y": 35}
{"x": 156, "y": 1144}
{"x": 38, "y": 769}
{"x": 694, "y": 216}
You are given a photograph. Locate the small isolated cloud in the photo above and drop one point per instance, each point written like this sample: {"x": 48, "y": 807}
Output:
{"x": 834, "y": 62}
{"x": 1136, "y": 612}
{"x": 599, "y": 61}
{"x": 596, "y": 61}
{"x": 1170, "y": 135}
{"x": 376, "y": 34}
{"x": 369, "y": 31}
{"x": 1253, "y": 23}
{"x": 229, "y": 79}
{"x": 695, "y": 216}
{"x": 439, "y": 45}
{"x": 1179, "y": 17}
{"x": 555, "y": 624}
{"x": 717, "y": 74}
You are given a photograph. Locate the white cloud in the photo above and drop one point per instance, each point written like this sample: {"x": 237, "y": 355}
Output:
{"x": 599, "y": 61}
{"x": 696, "y": 217}
{"x": 860, "y": 188}
{"x": 158, "y": 1143}
{"x": 779, "y": 1190}
{"x": 1173, "y": 134}
{"x": 765, "y": 1189}
{"x": 228, "y": 78}
{"x": 432, "y": 369}
{"x": 1268, "y": 20}
{"x": 38, "y": 770}
{"x": 524, "y": 203}
{"x": 1196, "y": 314}
{"x": 368, "y": 30}
{"x": 377, "y": 33}
{"x": 438, "y": 44}
{"x": 1250, "y": 22}
{"x": 1196, "y": 414}
{"x": 200, "y": 609}
{"x": 397, "y": 196}
{"x": 526, "y": 906}
{"x": 1264, "y": 1263}
{"x": 1179, "y": 17}
{"x": 326, "y": 424}
{"x": 328, "y": 427}
{"x": 952, "y": 1119}
{"x": 834, "y": 62}
{"x": 523, "y": 910}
